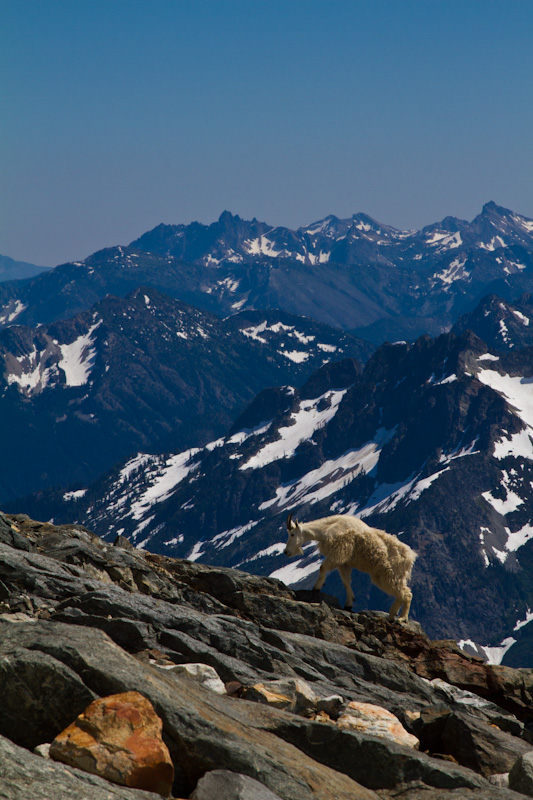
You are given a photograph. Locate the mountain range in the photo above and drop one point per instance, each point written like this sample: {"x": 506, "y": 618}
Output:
{"x": 354, "y": 273}
{"x": 144, "y": 371}
{"x": 431, "y": 441}
{"x": 169, "y": 392}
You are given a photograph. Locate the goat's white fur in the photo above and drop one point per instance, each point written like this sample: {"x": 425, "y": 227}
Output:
{"x": 347, "y": 542}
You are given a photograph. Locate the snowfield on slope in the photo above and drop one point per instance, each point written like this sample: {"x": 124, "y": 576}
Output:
{"x": 305, "y": 422}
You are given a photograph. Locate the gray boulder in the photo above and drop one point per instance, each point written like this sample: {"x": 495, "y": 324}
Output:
{"x": 224, "y": 785}
{"x": 24, "y": 775}
{"x": 521, "y": 775}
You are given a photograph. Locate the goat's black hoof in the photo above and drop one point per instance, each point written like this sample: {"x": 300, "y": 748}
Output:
{"x": 347, "y": 608}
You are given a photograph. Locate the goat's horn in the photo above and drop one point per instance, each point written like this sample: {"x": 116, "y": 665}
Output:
{"x": 289, "y": 521}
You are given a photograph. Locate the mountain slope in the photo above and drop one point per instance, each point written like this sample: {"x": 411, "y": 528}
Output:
{"x": 433, "y": 442}
{"x": 146, "y": 371}
{"x": 502, "y": 325}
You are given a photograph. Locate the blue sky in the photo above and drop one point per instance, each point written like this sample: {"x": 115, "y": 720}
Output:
{"x": 121, "y": 114}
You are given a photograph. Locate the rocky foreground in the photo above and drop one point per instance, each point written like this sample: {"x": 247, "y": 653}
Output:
{"x": 304, "y": 700}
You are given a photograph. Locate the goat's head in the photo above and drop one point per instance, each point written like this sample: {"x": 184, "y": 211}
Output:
{"x": 295, "y": 540}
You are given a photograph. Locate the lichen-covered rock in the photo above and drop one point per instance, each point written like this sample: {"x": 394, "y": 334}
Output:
{"x": 118, "y": 738}
{"x": 259, "y": 693}
{"x": 292, "y": 694}
{"x": 375, "y": 721}
{"x": 201, "y": 673}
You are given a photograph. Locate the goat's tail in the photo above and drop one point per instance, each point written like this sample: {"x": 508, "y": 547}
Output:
{"x": 410, "y": 559}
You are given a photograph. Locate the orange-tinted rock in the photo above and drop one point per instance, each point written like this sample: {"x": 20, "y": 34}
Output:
{"x": 260, "y": 694}
{"x": 376, "y": 721}
{"x": 118, "y": 738}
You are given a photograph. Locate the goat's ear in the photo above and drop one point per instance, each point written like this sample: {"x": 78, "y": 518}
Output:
{"x": 289, "y": 521}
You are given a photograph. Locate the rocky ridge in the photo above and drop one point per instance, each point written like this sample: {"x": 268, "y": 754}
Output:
{"x": 82, "y": 619}
{"x": 502, "y": 325}
{"x": 145, "y": 372}
{"x": 353, "y": 273}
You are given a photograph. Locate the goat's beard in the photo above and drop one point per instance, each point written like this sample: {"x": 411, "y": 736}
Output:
{"x": 297, "y": 552}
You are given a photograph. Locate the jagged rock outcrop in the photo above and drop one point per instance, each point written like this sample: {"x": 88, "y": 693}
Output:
{"x": 82, "y": 619}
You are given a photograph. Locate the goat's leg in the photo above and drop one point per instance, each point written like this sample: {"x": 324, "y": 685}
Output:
{"x": 407, "y": 596}
{"x": 322, "y": 573}
{"x": 403, "y": 598}
{"x": 395, "y": 607}
{"x": 346, "y": 575}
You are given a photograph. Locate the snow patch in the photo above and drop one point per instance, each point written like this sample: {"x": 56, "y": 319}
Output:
{"x": 518, "y": 538}
{"x": 522, "y": 317}
{"x": 447, "y": 379}
{"x": 274, "y": 550}
{"x": 494, "y": 655}
{"x": 77, "y": 358}
{"x": 455, "y": 271}
{"x": 196, "y": 552}
{"x": 17, "y": 310}
{"x": 245, "y": 433}
{"x": 34, "y": 375}
{"x": 521, "y": 622}
{"x": 305, "y": 422}
{"x": 387, "y": 495}
{"x": 296, "y": 572}
{"x": 331, "y": 476}
{"x": 75, "y": 495}
{"x": 503, "y": 507}
{"x": 229, "y": 284}
{"x": 261, "y": 246}
{"x": 226, "y": 538}
{"x": 298, "y": 356}
{"x": 175, "y": 469}
{"x": 518, "y": 392}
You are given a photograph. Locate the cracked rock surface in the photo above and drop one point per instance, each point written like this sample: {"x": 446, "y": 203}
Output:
{"x": 81, "y": 619}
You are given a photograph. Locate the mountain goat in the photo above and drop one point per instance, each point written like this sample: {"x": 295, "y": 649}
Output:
{"x": 347, "y": 542}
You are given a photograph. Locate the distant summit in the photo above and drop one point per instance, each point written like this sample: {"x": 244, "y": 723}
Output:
{"x": 355, "y": 273}
{"x": 11, "y": 270}
{"x": 234, "y": 240}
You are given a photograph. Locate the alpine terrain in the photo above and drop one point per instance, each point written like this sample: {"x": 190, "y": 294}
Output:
{"x": 432, "y": 441}
{"x": 144, "y": 371}
{"x": 351, "y": 273}
{"x": 172, "y": 392}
